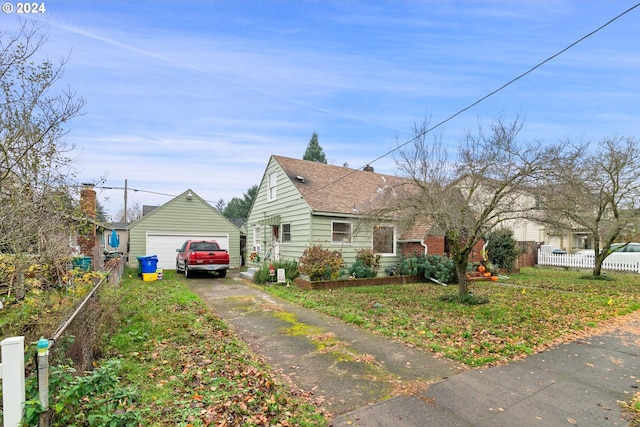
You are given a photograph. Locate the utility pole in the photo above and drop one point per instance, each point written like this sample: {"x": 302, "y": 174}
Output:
{"x": 125, "y": 200}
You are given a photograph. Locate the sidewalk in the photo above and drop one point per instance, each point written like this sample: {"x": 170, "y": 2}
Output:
{"x": 366, "y": 380}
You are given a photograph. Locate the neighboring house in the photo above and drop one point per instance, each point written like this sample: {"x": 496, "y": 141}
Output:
{"x": 530, "y": 230}
{"x": 302, "y": 203}
{"x": 123, "y": 238}
{"x": 166, "y": 228}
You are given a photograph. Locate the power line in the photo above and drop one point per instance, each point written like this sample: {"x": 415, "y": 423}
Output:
{"x": 529, "y": 71}
{"x": 143, "y": 191}
{"x": 134, "y": 189}
{"x": 473, "y": 104}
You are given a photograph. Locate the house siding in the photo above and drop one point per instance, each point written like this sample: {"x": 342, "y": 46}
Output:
{"x": 307, "y": 228}
{"x": 291, "y": 209}
{"x": 362, "y": 238}
{"x": 182, "y": 215}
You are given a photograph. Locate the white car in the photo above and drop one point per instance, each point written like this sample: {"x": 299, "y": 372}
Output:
{"x": 622, "y": 251}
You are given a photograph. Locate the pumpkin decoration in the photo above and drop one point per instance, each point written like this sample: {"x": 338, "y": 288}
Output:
{"x": 482, "y": 268}
{"x": 487, "y": 274}
{"x": 494, "y": 278}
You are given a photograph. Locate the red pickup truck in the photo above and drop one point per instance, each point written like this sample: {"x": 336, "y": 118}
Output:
{"x": 202, "y": 255}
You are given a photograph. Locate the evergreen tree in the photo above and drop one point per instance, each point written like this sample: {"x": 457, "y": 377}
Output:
{"x": 502, "y": 248}
{"x": 314, "y": 151}
{"x": 238, "y": 208}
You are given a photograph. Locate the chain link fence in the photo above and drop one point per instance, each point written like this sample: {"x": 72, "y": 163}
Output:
{"x": 78, "y": 337}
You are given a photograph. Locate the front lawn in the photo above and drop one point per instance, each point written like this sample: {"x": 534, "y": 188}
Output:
{"x": 526, "y": 312}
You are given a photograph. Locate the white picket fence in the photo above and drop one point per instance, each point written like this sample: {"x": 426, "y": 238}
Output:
{"x": 621, "y": 262}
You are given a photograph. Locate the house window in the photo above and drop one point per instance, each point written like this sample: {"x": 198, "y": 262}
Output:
{"x": 257, "y": 238}
{"x": 273, "y": 181}
{"x": 286, "y": 233}
{"x": 340, "y": 232}
{"x": 383, "y": 240}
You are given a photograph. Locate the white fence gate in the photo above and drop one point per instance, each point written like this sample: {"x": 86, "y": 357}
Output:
{"x": 12, "y": 374}
{"x": 622, "y": 262}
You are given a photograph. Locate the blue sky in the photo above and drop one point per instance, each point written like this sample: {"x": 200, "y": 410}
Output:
{"x": 199, "y": 94}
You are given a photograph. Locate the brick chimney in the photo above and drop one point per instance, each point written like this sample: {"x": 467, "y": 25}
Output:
{"x": 87, "y": 240}
{"x": 88, "y": 202}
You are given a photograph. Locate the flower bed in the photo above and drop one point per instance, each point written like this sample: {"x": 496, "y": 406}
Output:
{"x": 345, "y": 283}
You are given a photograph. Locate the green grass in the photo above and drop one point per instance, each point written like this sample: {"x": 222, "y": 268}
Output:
{"x": 633, "y": 409}
{"x": 542, "y": 307}
{"x": 188, "y": 367}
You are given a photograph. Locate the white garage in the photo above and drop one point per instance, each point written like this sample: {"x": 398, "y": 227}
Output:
{"x": 164, "y": 229}
{"x": 164, "y": 245}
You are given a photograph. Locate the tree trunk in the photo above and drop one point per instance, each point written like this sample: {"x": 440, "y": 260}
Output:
{"x": 20, "y": 291}
{"x": 597, "y": 266}
{"x": 461, "y": 270}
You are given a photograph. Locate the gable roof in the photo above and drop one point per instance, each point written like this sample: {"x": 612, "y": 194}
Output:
{"x": 188, "y": 195}
{"x": 335, "y": 189}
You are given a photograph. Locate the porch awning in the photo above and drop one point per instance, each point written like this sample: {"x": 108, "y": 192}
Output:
{"x": 272, "y": 220}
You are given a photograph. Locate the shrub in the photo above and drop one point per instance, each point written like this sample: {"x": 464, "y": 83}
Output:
{"x": 262, "y": 276}
{"x": 321, "y": 264}
{"x": 392, "y": 270}
{"x": 501, "y": 248}
{"x": 366, "y": 265}
{"x": 95, "y": 399}
{"x": 412, "y": 266}
{"x": 439, "y": 267}
{"x": 359, "y": 270}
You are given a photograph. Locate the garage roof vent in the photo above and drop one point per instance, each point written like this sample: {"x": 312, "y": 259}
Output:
{"x": 300, "y": 178}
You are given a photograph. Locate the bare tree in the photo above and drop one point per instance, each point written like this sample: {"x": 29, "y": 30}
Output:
{"x": 134, "y": 212}
{"x": 464, "y": 192}
{"x": 35, "y": 171}
{"x": 596, "y": 191}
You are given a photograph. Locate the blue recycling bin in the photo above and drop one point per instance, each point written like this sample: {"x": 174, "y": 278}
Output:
{"x": 147, "y": 264}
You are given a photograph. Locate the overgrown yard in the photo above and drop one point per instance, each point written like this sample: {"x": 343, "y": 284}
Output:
{"x": 525, "y": 313}
{"x": 168, "y": 360}
{"x": 189, "y": 368}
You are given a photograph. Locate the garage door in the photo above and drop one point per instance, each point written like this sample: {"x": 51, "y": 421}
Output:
{"x": 164, "y": 245}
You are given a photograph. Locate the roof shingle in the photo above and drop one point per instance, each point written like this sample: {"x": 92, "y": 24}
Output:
{"x": 335, "y": 189}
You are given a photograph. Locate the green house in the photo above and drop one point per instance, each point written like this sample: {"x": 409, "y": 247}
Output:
{"x": 167, "y": 227}
{"x": 302, "y": 203}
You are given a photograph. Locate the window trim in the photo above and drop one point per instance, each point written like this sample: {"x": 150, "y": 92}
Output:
{"x": 257, "y": 238}
{"x": 333, "y": 232}
{"x": 393, "y": 239}
{"x": 283, "y": 233}
{"x": 272, "y": 186}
